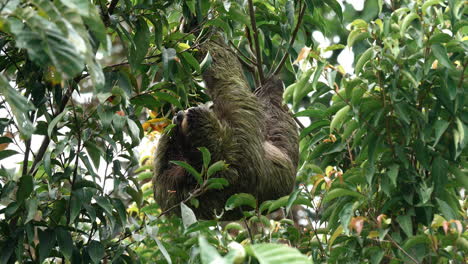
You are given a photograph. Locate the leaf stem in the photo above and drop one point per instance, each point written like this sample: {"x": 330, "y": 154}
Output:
{"x": 291, "y": 41}
{"x": 257, "y": 44}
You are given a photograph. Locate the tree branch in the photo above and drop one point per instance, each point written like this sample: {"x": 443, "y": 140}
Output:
{"x": 257, "y": 44}
{"x": 291, "y": 41}
{"x": 46, "y": 141}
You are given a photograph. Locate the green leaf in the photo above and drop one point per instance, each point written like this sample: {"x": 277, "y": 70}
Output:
{"x": 135, "y": 132}
{"x": 94, "y": 152}
{"x": 393, "y": 173}
{"x": 336, "y": 7}
{"x": 216, "y": 183}
{"x": 365, "y": 57}
{"x": 46, "y": 243}
{"x": 206, "y": 156}
{"x": 241, "y": 199}
{"x": 340, "y": 192}
{"x": 188, "y": 216}
{"x": 141, "y": 42}
{"x": 440, "y": 38}
{"x": 31, "y": 207}
{"x": 54, "y": 122}
{"x": 191, "y": 61}
{"x": 290, "y": 13}
{"x": 190, "y": 169}
{"x": 428, "y": 4}
{"x": 338, "y": 119}
{"x": 104, "y": 203}
{"x": 215, "y": 167}
{"x": 277, "y": 254}
{"x": 65, "y": 242}
{"x": 75, "y": 207}
{"x": 447, "y": 211}
{"x": 345, "y": 216}
{"x": 168, "y": 98}
{"x": 96, "y": 251}
{"x": 406, "y": 22}
{"x": 19, "y": 105}
{"x": 208, "y": 253}
{"x": 440, "y": 126}
{"x": 146, "y": 100}
{"x": 440, "y": 53}
{"x": 25, "y": 188}
{"x": 357, "y": 35}
{"x": 7, "y": 153}
{"x": 405, "y": 224}
{"x": 206, "y": 62}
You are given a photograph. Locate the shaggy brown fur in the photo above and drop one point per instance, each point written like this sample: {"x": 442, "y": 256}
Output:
{"x": 252, "y": 132}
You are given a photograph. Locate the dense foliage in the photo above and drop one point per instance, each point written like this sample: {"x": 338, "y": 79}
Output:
{"x": 384, "y": 163}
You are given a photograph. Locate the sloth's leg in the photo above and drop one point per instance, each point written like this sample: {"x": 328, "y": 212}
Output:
{"x": 281, "y": 129}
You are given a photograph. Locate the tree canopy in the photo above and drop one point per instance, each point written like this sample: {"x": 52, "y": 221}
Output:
{"x": 378, "y": 92}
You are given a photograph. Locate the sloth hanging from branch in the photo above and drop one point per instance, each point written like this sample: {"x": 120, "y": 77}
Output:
{"x": 252, "y": 132}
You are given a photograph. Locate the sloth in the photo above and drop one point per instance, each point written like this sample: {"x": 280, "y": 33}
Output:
{"x": 251, "y": 131}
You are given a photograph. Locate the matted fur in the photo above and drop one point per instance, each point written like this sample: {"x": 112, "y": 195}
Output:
{"x": 253, "y": 133}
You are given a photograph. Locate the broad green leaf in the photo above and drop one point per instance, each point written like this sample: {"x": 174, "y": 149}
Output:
{"x": 241, "y": 199}
{"x": 135, "y": 132}
{"x": 54, "y": 122}
{"x": 447, "y": 211}
{"x": 188, "y": 216}
{"x": 290, "y": 12}
{"x": 19, "y": 105}
{"x": 299, "y": 90}
{"x": 393, "y": 173}
{"x": 336, "y": 7}
{"x": 405, "y": 224}
{"x": 168, "y": 98}
{"x": 216, "y": 167}
{"x": 406, "y": 22}
{"x": 206, "y": 62}
{"x": 46, "y": 243}
{"x": 25, "y": 188}
{"x": 216, "y": 183}
{"x": 440, "y": 53}
{"x": 75, "y": 207}
{"x": 428, "y": 4}
{"x": 31, "y": 207}
{"x": 340, "y": 192}
{"x": 96, "y": 251}
{"x": 190, "y": 169}
{"x": 440, "y": 126}
{"x": 277, "y": 254}
{"x": 65, "y": 242}
{"x": 104, "y": 203}
{"x": 146, "y": 100}
{"x": 208, "y": 253}
{"x": 440, "y": 38}
{"x": 365, "y": 57}
{"x": 206, "y": 156}
{"x": 141, "y": 41}
{"x": 338, "y": 119}
{"x": 7, "y": 153}
{"x": 94, "y": 152}
{"x": 191, "y": 61}
{"x": 345, "y": 216}
{"x": 357, "y": 35}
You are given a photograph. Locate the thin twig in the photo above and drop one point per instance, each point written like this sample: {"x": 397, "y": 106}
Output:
{"x": 401, "y": 249}
{"x": 28, "y": 148}
{"x": 291, "y": 41}
{"x": 257, "y": 44}
{"x": 46, "y": 141}
{"x": 241, "y": 53}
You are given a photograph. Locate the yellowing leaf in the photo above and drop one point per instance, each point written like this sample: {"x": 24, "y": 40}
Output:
{"x": 302, "y": 55}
